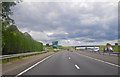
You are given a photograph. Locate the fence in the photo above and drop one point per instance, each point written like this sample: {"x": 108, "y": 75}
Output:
{"x": 21, "y": 54}
{"x": 105, "y": 53}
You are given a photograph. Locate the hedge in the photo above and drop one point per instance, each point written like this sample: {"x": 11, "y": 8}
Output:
{"x": 17, "y": 42}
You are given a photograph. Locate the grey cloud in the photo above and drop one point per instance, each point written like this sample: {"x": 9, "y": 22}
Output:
{"x": 89, "y": 20}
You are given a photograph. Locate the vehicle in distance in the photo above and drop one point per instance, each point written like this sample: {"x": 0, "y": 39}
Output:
{"x": 71, "y": 50}
{"x": 67, "y": 49}
{"x": 108, "y": 49}
{"x": 96, "y": 49}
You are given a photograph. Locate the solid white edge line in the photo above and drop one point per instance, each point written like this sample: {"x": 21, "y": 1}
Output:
{"x": 100, "y": 60}
{"x": 33, "y": 66}
{"x": 77, "y": 66}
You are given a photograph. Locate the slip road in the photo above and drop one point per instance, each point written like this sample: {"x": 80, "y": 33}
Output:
{"x": 70, "y": 63}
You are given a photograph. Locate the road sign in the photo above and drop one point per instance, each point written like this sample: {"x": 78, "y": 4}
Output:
{"x": 55, "y": 44}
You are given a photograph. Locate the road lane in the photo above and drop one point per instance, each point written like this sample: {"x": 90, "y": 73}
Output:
{"x": 58, "y": 64}
{"x": 70, "y": 63}
{"x": 15, "y": 67}
{"x": 93, "y": 67}
{"x": 111, "y": 59}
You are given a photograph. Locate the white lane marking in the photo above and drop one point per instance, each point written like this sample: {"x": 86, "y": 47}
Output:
{"x": 77, "y": 66}
{"x": 33, "y": 66}
{"x": 100, "y": 60}
{"x": 69, "y": 58}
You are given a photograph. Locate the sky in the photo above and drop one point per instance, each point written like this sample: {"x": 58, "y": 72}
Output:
{"x": 70, "y": 23}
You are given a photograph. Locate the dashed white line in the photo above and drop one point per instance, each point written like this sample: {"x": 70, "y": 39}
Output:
{"x": 69, "y": 58}
{"x": 33, "y": 66}
{"x": 77, "y": 67}
{"x": 100, "y": 60}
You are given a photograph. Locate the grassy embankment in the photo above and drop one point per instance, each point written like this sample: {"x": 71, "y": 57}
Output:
{"x": 50, "y": 49}
{"x": 64, "y": 48}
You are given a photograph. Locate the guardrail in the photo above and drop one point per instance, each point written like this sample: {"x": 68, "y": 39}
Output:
{"x": 101, "y": 52}
{"x": 21, "y": 54}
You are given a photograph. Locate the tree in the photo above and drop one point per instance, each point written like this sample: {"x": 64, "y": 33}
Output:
{"x": 13, "y": 28}
{"x": 108, "y": 44}
{"x": 116, "y": 43}
{"x": 6, "y": 12}
{"x": 5, "y": 18}
{"x": 47, "y": 45}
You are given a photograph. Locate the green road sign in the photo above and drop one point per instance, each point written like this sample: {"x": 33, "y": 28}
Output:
{"x": 55, "y": 44}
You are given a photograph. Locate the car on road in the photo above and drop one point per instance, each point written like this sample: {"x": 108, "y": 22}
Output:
{"x": 96, "y": 49}
{"x": 108, "y": 49}
{"x": 71, "y": 50}
{"x": 67, "y": 49}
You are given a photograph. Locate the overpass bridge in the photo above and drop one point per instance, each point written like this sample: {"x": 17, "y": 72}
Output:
{"x": 87, "y": 46}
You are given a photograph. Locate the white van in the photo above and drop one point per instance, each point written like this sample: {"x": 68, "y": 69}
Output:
{"x": 96, "y": 49}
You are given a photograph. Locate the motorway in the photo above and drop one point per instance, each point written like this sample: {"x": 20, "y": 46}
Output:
{"x": 70, "y": 63}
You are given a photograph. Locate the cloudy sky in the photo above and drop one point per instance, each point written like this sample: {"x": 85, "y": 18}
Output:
{"x": 70, "y": 23}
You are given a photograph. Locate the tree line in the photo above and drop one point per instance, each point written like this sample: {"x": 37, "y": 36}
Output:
{"x": 13, "y": 41}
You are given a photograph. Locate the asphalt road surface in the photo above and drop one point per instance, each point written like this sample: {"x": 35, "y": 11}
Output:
{"x": 71, "y": 63}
